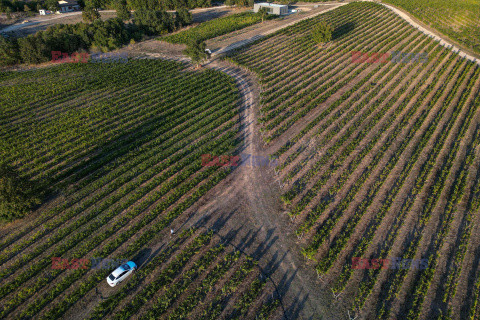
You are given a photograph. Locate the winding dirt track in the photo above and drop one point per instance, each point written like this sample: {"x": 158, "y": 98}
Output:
{"x": 246, "y": 208}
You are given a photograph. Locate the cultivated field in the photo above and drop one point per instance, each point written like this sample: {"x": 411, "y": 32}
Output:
{"x": 378, "y": 161}
{"x": 120, "y": 146}
{"x": 208, "y": 275}
{"x": 378, "y": 167}
{"x": 214, "y": 28}
{"x": 458, "y": 19}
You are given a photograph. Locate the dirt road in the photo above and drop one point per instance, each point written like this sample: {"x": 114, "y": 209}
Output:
{"x": 246, "y": 206}
{"x": 43, "y": 22}
{"x": 237, "y": 39}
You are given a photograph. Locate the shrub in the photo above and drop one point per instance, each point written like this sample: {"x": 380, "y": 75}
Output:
{"x": 17, "y": 195}
{"x": 322, "y": 32}
{"x": 196, "y": 51}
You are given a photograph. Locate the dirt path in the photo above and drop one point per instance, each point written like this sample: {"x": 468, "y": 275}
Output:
{"x": 38, "y": 23}
{"x": 222, "y": 44}
{"x": 246, "y": 209}
{"x": 44, "y": 21}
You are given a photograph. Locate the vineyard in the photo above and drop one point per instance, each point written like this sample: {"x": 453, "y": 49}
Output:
{"x": 458, "y": 19}
{"x": 211, "y": 281}
{"x": 377, "y": 161}
{"x": 120, "y": 146}
{"x": 214, "y": 28}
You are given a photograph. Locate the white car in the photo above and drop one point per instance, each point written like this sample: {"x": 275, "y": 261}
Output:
{"x": 121, "y": 273}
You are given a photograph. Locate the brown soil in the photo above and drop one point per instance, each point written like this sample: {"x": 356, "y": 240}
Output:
{"x": 245, "y": 207}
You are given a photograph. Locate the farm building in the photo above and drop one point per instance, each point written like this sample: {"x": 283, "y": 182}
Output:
{"x": 68, "y": 6}
{"x": 278, "y": 9}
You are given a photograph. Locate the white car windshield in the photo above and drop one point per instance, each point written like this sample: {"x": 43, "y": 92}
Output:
{"x": 126, "y": 267}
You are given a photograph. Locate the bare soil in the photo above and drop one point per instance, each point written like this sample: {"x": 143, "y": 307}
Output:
{"x": 245, "y": 207}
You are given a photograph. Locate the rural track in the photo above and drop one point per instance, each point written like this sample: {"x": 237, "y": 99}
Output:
{"x": 247, "y": 203}
{"x": 249, "y": 198}
{"x": 263, "y": 33}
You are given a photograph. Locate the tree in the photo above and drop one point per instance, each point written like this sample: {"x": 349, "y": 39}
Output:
{"x": 17, "y": 195}
{"x": 322, "y": 32}
{"x": 196, "y": 51}
{"x": 9, "y": 53}
{"x": 110, "y": 34}
{"x": 122, "y": 11}
{"x": 9, "y": 13}
{"x": 184, "y": 17}
{"x": 154, "y": 22}
{"x": 33, "y": 49}
{"x": 52, "y": 5}
{"x": 28, "y": 11}
{"x": 90, "y": 14}
{"x": 263, "y": 12}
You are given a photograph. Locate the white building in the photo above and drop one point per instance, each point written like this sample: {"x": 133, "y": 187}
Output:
{"x": 44, "y": 12}
{"x": 278, "y": 9}
{"x": 68, "y": 6}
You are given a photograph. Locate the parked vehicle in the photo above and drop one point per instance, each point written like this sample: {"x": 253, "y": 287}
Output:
{"x": 121, "y": 273}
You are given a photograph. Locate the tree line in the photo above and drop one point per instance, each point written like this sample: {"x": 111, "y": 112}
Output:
{"x": 99, "y": 35}
{"x": 10, "y": 6}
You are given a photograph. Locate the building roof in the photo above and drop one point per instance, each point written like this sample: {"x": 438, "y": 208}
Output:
{"x": 266, "y": 4}
{"x": 67, "y": 3}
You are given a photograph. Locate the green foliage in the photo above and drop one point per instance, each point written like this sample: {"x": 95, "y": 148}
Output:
{"x": 33, "y": 49}
{"x": 458, "y": 19}
{"x": 52, "y": 5}
{"x": 154, "y": 22}
{"x": 17, "y": 195}
{"x": 108, "y": 153}
{"x": 196, "y": 51}
{"x": 122, "y": 11}
{"x": 109, "y": 35}
{"x": 263, "y": 12}
{"x": 102, "y": 35}
{"x": 19, "y": 6}
{"x": 28, "y": 10}
{"x": 184, "y": 17}
{"x": 9, "y": 11}
{"x": 240, "y": 3}
{"x": 382, "y": 152}
{"x": 214, "y": 28}
{"x": 322, "y": 32}
{"x": 164, "y": 5}
{"x": 9, "y": 53}
{"x": 105, "y": 35}
{"x": 90, "y": 14}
